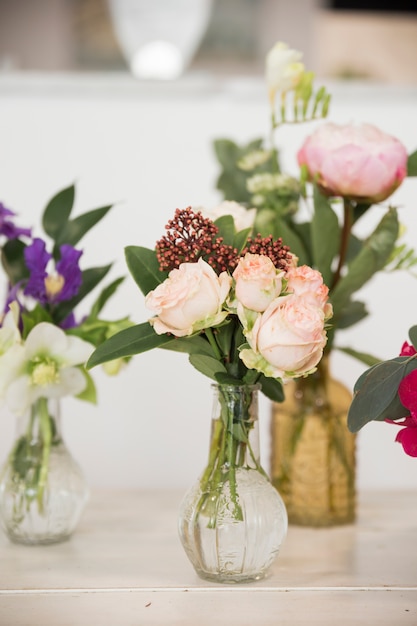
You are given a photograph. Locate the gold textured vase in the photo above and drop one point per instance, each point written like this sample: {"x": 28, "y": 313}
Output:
{"x": 313, "y": 453}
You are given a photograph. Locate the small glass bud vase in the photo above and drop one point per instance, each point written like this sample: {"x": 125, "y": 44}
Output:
{"x": 42, "y": 489}
{"x": 232, "y": 521}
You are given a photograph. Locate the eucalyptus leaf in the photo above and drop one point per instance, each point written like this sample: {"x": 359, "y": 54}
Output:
{"x": 325, "y": 235}
{"x": 412, "y": 333}
{"x": 57, "y": 212}
{"x": 144, "y": 268}
{"x": 375, "y": 391}
{"x": 127, "y": 342}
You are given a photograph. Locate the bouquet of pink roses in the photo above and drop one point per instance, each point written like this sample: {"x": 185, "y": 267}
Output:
{"x": 240, "y": 306}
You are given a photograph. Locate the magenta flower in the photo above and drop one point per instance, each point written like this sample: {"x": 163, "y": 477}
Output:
{"x": 407, "y": 349}
{"x": 62, "y": 283}
{"x": 359, "y": 162}
{"x": 7, "y": 227}
{"x": 407, "y": 392}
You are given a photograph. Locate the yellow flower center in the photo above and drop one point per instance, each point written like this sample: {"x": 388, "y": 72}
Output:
{"x": 45, "y": 373}
{"x": 54, "y": 284}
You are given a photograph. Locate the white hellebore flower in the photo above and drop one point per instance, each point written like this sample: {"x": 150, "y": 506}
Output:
{"x": 43, "y": 366}
{"x": 283, "y": 69}
{"x": 242, "y": 218}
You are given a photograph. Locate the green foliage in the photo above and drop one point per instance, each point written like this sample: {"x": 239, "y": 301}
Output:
{"x": 412, "y": 164}
{"x": 232, "y": 179}
{"x": 144, "y": 268}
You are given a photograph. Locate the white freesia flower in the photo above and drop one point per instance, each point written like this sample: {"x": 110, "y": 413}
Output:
{"x": 283, "y": 69}
{"x": 243, "y": 218}
{"x": 43, "y": 366}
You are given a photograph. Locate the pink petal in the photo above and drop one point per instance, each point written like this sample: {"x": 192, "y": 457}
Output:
{"x": 407, "y": 437}
{"x": 407, "y": 391}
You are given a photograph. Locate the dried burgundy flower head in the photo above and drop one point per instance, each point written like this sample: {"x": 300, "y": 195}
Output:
{"x": 191, "y": 236}
{"x": 279, "y": 254}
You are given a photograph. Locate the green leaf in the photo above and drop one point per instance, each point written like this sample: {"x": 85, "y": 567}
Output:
{"x": 13, "y": 260}
{"x": 207, "y": 365}
{"x": 412, "y": 164}
{"x": 227, "y": 379}
{"x": 144, "y": 268}
{"x": 290, "y": 238}
{"x": 364, "y": 357}
{"x": 191, "y": 345}
{"x": 241, "y": 238}
{"x": 375, "y": 391}
{"x": 226, "y": 226}
{"x": 372, "y": 258}
{"x": 232, "y": 180}
{"x": 353, "y": 313}
{"x": 104, "y": 296}
{"x": 73, "y": 230}
{"x": 412, "y": 333}
{"x": 127, "y": 342}
{"x": 90, "y": 393}
{"x": 272, "y": 388}
{"x": 90, "y": 279}
{"x": 325, "y": 235}
{"x": 57, "y": 212}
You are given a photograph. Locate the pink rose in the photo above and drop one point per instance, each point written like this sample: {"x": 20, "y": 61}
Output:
{"x": 258, "y": 282}
{"x": 307, "y": 283}
{"x": 190, "y": 299}
{"x": 354, "y": 161}
{"x": 289, "y": 337}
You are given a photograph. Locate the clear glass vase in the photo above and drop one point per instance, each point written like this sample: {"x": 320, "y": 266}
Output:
{"x": 313, "y": 461}
{"x": 42, "y": 489}
{"x": 232, "y": 521}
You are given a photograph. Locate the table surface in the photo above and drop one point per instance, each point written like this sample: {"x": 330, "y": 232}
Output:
{"x": 125, "y": 566}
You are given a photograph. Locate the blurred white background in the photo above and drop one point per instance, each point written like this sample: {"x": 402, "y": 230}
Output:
{"x": 71, "y": 112}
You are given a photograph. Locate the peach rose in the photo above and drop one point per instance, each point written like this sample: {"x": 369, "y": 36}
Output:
{"x": 258, "y": 282}
{"x": 354, "y": 161}
{"x": 287, "y": 340}
{"x": 307, "y": 283}
{"x": 190, "y": 299}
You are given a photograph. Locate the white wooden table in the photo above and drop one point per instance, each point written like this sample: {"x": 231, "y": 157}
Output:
{"x": 125, "y": 566}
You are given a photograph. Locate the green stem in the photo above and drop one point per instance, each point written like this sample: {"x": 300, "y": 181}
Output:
{"x": 212, "y": 341}
{"x": 344, "y": 239}
{"x": 45, "y": 431}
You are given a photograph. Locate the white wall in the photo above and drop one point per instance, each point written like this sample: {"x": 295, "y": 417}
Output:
{"x": 147, "y": 147}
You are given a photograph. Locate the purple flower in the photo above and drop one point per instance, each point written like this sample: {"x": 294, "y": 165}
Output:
{"x": 56, "y": 286}
{"x": 7, "y": 228}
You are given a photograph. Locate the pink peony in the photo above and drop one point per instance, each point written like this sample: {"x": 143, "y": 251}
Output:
{"x": 190, "y": 299}
{"x": 359, "y": 162}
{"x": 407, "y": 436}
{"x": 258, "y": 282}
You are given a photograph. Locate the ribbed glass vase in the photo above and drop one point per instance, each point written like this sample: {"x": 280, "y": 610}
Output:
{"x": 42, "y": 488}
{"x": 232, "y": 521}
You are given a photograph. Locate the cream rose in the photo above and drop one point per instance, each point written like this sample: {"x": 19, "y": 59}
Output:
{"x": 287, "y": 340}
{"x": 191, "y": 298}
{"x": 243, "y": 218}
{"x": 258, "y": 282}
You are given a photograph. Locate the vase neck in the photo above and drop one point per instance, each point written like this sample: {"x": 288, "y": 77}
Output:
{"x": 41, "y": 420}
{"x": 235, "y": 433}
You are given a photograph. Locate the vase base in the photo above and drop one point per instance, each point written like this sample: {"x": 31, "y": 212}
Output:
{"x": 37, "y": 541}
{"x": 230, "y": 578}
